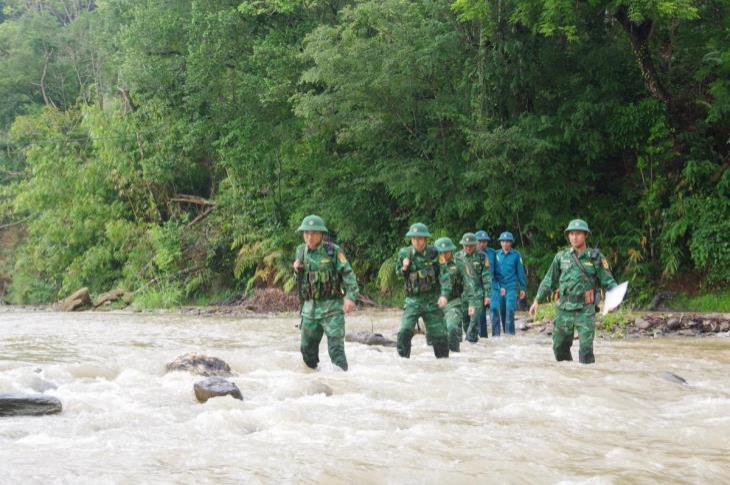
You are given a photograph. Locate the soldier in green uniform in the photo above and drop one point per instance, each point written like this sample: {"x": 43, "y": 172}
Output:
{"x": 458, "y": 287}
{"x": 323, "y": 276}
{"x": 418, "y": 265}
{"x": 482, "y": 279}
{"x": 578, "y": 274}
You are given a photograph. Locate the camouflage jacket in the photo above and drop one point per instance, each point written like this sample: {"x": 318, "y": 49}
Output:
{"x": 422, "y": 276}
{"x": 480, "y": 271}
{"x": 458, "y": 282}
{"x": 325, "y": 278}
{"x": 565, "y": 276}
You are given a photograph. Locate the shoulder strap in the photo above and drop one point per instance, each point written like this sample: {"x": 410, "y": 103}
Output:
{"x": 330, "y": 248}
{"x": 582, "y": 269}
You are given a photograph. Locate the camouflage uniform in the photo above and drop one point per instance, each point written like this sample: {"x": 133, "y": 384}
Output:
{"x": 325, "y": 275}
{"x": 575, "y": 309}
{"x": 480, "y": 272}
{"x": 458, "y": 286}
{"x": 421, "y": 295}
{"x": 490, "y": 254}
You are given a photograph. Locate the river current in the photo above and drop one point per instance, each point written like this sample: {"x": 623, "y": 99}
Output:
{"x": 500, "y": 411}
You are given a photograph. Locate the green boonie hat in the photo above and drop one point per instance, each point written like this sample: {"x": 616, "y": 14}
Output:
{"x": 418, "y": 230}
{"x": 444, "y": 245}
{"x": 468, "y": 239}
{"x": 578, "y": 225}
{"x": 312, "y": 223}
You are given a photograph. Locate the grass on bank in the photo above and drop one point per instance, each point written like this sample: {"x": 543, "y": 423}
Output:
{"x": 714, "y": 302}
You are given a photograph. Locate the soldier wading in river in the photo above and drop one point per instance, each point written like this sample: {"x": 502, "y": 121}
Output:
{"x": 322, "y": 273}
{"x": 578, "y": 274}
{"x": 460, "y": 297}
{"x": 418, "y": 265}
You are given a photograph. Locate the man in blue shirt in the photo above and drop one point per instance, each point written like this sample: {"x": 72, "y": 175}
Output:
{"x": 483, "y": 246}
{"x": 509, "y": 277}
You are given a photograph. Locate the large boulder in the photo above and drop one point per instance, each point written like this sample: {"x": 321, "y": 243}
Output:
{"x": 79, "y": 300}
{"x": 369, "y": 338}
{"x": 215, "y": 387}
{"x": 16, "y": 404}
{"x": 200, "y": 364}
{"x": 112, "y": 296}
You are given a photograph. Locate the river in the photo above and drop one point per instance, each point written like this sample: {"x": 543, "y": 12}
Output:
{"x": 500, "y": 411}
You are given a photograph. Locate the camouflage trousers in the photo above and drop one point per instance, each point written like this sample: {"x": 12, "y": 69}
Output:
{"x": 332, "y": 325}
{"x": 426, "y": 308}
{"x": 470, "y": 322}
{"x": 564, "y": 326}
{"x": 454, "y": 316}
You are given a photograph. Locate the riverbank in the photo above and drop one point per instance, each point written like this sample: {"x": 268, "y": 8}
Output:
{"x": 616, "y": 325}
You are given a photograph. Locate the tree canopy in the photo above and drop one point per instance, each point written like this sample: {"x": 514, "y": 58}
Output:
{"x": 172, "y": 146}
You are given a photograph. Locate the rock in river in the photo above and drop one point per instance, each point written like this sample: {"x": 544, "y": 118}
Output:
{"x": 369, "y": 338}
{"x": 215, "y": 387}
{"x": 200, "y": 364}
{"x": 672, "y": 377}
{"x": 16, "y": 404}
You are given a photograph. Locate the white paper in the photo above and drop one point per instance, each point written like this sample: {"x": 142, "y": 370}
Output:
{"x": 614, "y": 297}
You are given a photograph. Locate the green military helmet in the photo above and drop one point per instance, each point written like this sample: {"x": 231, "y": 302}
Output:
{"x": 312, "y": 223}
{"x": 444, "y": 245}
{"x": 506, "y": 236}
{"x": 418, "y": 230}
{"x": 578, "y": 225}
{"x": 468, "y": 239}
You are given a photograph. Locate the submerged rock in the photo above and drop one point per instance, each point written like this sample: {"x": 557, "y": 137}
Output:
{"x": 318, "y": 388}
{"x": 216, "y": 387}
{"x": 16, "y": 404}
{"x": 200, "y": 364}
{"x": 41, "y": 385}
{"x": 369, "y": 338}
{"x": 672, "y": 377}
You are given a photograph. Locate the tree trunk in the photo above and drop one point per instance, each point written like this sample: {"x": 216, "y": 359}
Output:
{"x": 640, "y": 34}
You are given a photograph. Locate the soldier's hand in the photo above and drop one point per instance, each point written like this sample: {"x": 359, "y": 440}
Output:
{"x": 522, "y": 294}
{"x": 486, "y": 301}
{"x": 442, "y": 301}
{"x": 502, "y": 291}
{"x": 297, "y": 265}
{"x": 406, "y": 264}
{"x": 350, "y": 306}
{"x": 533, "y": 308}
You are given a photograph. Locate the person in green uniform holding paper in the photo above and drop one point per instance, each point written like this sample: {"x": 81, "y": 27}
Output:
{"x": 577, "y": 273}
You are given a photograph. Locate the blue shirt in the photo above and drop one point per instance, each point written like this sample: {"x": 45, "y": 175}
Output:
{"x": 491, "y": 253}
{"x": 509, "y": 270}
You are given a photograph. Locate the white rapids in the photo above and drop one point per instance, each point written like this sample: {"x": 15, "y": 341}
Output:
{"x": 500, "y": 411}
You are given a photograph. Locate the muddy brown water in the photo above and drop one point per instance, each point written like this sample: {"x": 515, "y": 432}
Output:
{"x": 500, "y": 411}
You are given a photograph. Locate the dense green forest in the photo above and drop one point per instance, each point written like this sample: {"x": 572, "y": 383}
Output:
{"x": 171, "y": 147}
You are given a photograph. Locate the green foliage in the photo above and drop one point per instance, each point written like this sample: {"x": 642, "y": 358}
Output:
{"x": 716, "y": 301}
{"x": 615, "y": 322}
{"x": 546, "y": 312}
{"x": 172, "y": 147}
